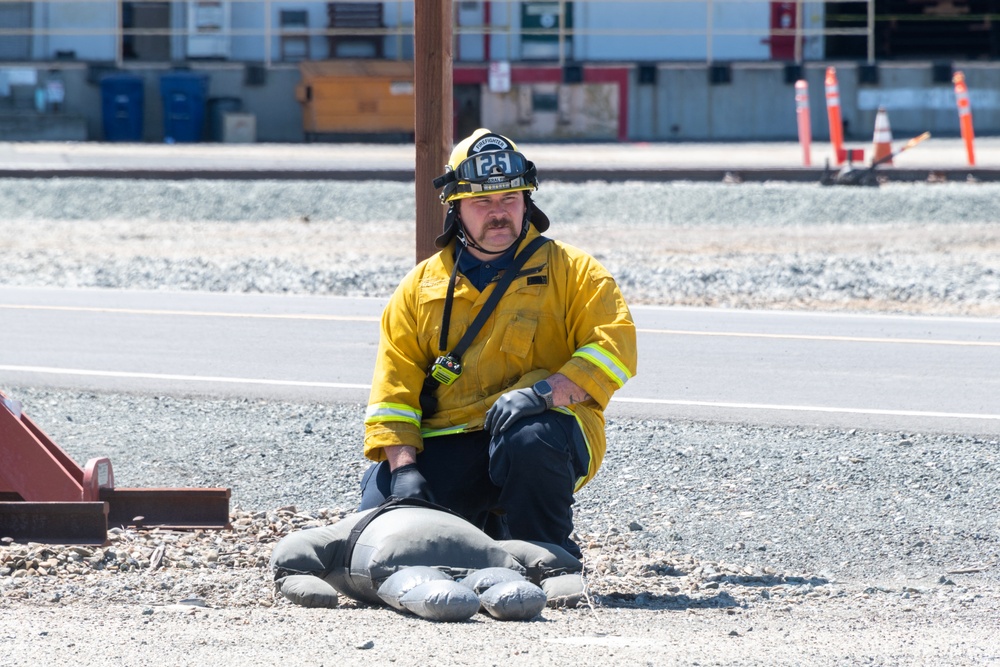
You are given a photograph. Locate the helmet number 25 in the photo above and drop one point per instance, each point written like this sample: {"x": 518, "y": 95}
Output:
{"x": 487, "y": 162}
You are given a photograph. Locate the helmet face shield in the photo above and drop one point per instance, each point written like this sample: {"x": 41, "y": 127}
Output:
{"x": 492, "y": 167}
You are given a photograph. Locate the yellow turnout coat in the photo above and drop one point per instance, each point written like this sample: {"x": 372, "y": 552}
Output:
{"x": 563, "y": 313}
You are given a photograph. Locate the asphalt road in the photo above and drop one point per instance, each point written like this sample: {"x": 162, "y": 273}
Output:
{"x": 903, "y": 373}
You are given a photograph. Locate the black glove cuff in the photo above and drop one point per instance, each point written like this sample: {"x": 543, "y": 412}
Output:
{"x": 408, "y": 466}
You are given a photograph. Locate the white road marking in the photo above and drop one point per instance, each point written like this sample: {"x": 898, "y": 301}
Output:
{"x": 368, "y": 318}
{"x": 616, "y": 399}
{"x": 198, "y": 313}
{"x": 807, "y": 408}
{"x": 846, "y": 339}
{"x": 187, "y": 378}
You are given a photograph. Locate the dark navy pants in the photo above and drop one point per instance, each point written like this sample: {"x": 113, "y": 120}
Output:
{"x": 518, "y": 485}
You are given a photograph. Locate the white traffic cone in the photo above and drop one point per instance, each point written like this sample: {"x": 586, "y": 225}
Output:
{"x": 882, "y": 141}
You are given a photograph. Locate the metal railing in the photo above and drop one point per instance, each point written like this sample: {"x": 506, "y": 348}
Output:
{"x": 252, "y": 25}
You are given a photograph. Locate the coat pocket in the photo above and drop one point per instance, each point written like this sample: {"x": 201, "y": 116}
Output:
{"x": 519, "y": 336}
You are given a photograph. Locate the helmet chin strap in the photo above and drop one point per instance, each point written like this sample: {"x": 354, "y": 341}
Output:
{"x": 467, "y": 242}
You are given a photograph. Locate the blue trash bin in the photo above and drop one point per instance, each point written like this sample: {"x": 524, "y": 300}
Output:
{"x": 122, "y": 107}
{"x": 183, "y": 96}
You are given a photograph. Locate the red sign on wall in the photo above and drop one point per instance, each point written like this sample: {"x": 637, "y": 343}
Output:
{"x": 782, "y": 39}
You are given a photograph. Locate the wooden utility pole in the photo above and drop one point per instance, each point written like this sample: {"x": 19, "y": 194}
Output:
{"x": 432, "y": 79}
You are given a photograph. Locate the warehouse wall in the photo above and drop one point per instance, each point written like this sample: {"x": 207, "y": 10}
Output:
{"x": 664, "y": 102}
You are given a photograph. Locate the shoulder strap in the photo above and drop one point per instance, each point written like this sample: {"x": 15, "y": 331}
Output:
{"x": 498, "y": 291}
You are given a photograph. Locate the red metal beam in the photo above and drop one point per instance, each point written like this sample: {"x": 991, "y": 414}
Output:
{"x": 34, "y": 466}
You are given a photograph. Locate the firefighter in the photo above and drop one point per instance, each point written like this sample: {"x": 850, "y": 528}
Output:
{"x": 501, "y": 420}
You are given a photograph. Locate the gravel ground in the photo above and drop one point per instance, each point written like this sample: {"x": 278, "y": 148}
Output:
{"x": 898, "y": 248}
{"x": 705, "y": 543}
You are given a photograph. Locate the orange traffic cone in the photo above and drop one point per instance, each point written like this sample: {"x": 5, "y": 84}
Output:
{"x": 965, "y": 115}
{"x": 882, "y": 141}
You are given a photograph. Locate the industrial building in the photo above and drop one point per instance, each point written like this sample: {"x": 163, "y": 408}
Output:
{"x": 583, "y": 70}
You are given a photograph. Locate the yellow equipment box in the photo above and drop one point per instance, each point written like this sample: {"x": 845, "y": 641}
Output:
{"x": 356, "y": 96}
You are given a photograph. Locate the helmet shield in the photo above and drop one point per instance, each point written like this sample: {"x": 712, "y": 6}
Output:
{"x": 492, "y": 169}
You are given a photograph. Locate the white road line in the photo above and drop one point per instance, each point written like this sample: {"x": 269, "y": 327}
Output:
{"x": 807, "y": 408}
{"x": 616, "y": 399}
{"x": 368, "y": 318}
{"x": 197, "y": 313}
{"x": 847, "y": 339}
{"x": 186, "y": 378}
{"x": 812, "y": 314}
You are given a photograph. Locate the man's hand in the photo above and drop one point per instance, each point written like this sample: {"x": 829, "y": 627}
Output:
{"x": 407, "y": 482}
{"x": 512, "y": 406}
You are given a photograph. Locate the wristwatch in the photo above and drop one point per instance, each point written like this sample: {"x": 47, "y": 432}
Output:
{"x": 544, "y": 391}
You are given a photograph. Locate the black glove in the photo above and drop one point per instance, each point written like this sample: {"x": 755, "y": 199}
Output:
{"x": 407, "y": 482}
{"x": 512, "y": 406}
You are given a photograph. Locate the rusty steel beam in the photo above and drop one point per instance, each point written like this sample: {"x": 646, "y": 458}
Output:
{"x": 180, "y": 509}
{"x": 55, "y": 522}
